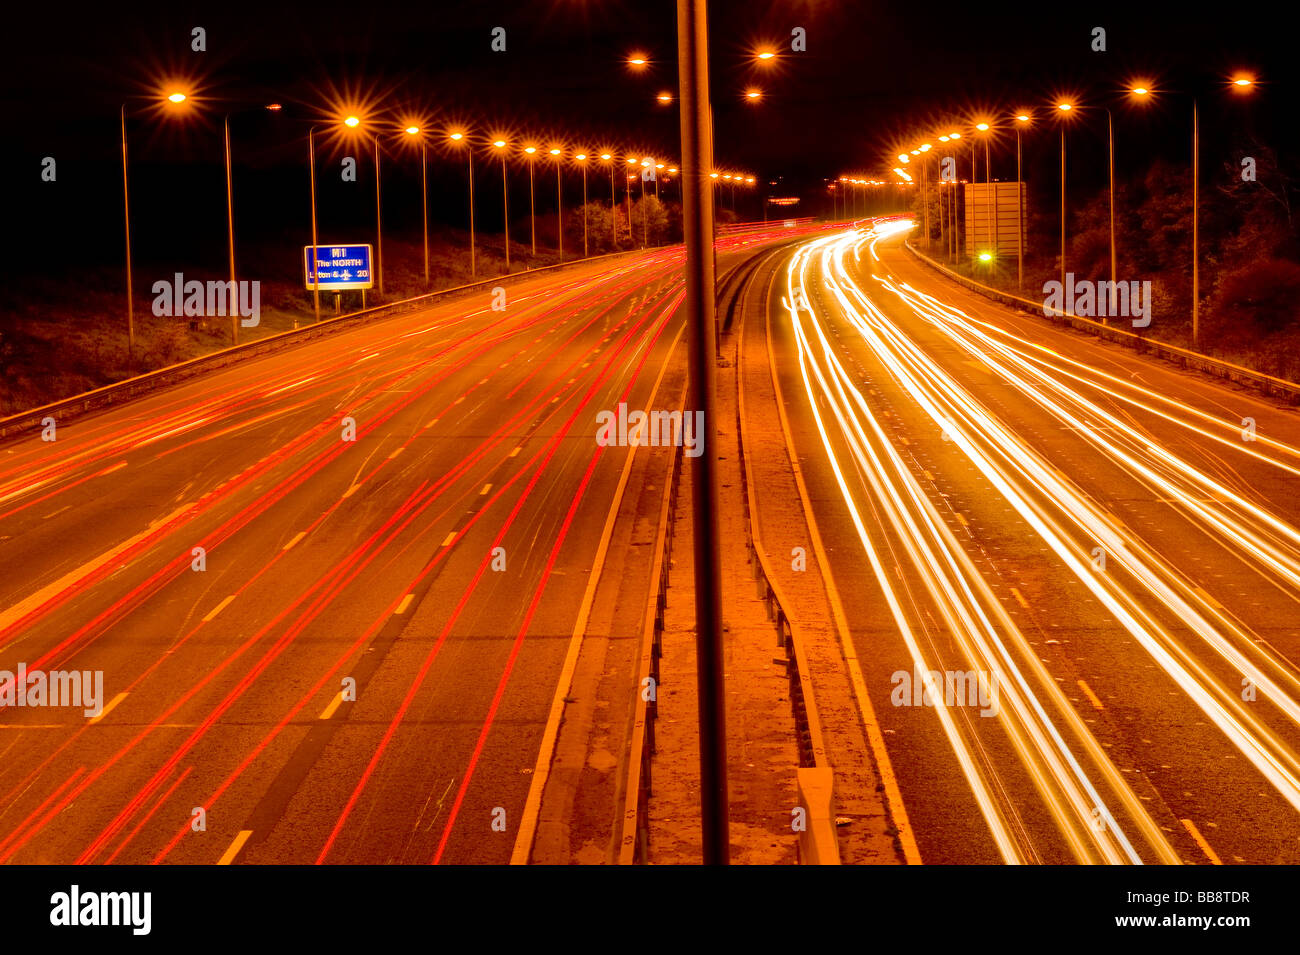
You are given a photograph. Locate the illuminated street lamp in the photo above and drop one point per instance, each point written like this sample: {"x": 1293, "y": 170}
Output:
{"x": 753, "y": 94}
{"x": 500, "y": 145}
{"x": 613, "y": 201}
{"x": 637, "y": 61}
{"x": 532, "y": 208}
{"x": 665, "y": 98}
{"x": 559, "y": 202}
{"x": 176, "y": 98}
{"x": 414, "y": 131}
{"x": 1241, "y": 83}
{"x": 631, "y": 234}
{"x": 458, "y": 137}
{"x": 1022, "y": 120}
{"x": 582, "y": 161}
{"x": 1064, "y": 112}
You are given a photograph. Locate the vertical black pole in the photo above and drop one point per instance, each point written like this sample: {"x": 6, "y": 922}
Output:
{"x": 697, "y": 203}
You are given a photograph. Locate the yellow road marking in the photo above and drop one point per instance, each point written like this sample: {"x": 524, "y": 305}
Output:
{"x": 1092, "y": 697}
{"x": 299, "y": 536}
{"x": 406, "y": 602}
{"x": 218, "y": 608}
{"x": 235, "y": 846}
{"x": 334, "y": 705}
{"x": 1200, "y": 841}
{"x": 111, "y": 703}
{"x": 1020, "y": 598}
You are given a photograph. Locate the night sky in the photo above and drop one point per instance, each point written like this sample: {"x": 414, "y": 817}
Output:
{"x": 873, "y": 77}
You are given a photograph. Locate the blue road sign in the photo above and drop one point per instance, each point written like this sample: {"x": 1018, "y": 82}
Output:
{"x": 338, "y": 267}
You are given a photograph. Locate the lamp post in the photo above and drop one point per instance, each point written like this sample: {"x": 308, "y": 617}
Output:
{"x": 315, "y": 269}
{"x": 424, "y": 194}
{"x": 175, "y": 98}
{"x": 613, "y": 203}
{"x": 631, "y": 236}
{"x": 1021, "y": 120}
{"x": 130, "y": 300}
{"x": 645, "y": 211}
{"x": 500, "y": 145}
{"x": 1242, "y": 84}
{"x": 1065, "y": 109}
{"x": 459, "y": 137}
{"x": 559, "y": 203}
{"x": 582, "y": 160}
{"x": 697, "y": 224}
{"x": 379, "y": 225}
{"x": 531, "y": 151}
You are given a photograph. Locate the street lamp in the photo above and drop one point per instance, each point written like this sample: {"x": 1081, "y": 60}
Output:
{"x": 645, "y": 209}
{"x": 631, "y": 234}
{"x": 753, "y": 94}
{"x": 176, "y": 98}
{"x": 414, "y": 131}
{"x": 354, "y": 122}
{"x": 613, "y": 202}
{"x": 1022, "y": 119}
{"x": 500, "y": 145}
{"x": 581, "y": 159}
{"x": 559, "y": 202}
{"x": 1062, "y": 114}
{"x": 532, "y": 207}
{"x": 1241, "y": 83}
{"x": 458, "y": 137}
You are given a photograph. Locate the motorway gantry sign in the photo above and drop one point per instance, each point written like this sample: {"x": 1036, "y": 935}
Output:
{"x": 338, "y": 267}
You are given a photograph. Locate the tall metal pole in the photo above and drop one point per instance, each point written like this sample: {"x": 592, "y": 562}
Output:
{"x": 1062, "y": 210}
{"x": 1196, "y": 237}
{"x": 584, "y": 209}
{"x": 532, "y": 205}
{"x": 613, "y": 209}
{"x": 645, "y": 215}
{"x": 130, "y": 300}
{"x": 925, "y": 204}
{"x": 1110, "y": 136}
{"x": 230, "y": 235}
{"x": 1020, "y": 225}
{"x": 473, "y": 261}
{"x": 697, "y": 224}
{"x": 379, "y": 226}
{"x": 505, "y": 208}
{"x": 559, "y": 208}
{"x": 627, "y": 197}
{"x": 424, "y": 201}
{"x": 315, "y": 271}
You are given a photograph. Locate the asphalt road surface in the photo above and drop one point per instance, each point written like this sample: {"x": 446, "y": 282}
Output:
{"x": 1072, "y": 574}
{"x": 328, "y": 591}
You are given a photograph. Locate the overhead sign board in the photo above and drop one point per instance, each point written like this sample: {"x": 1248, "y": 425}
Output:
{"x": 338, "y": 267}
